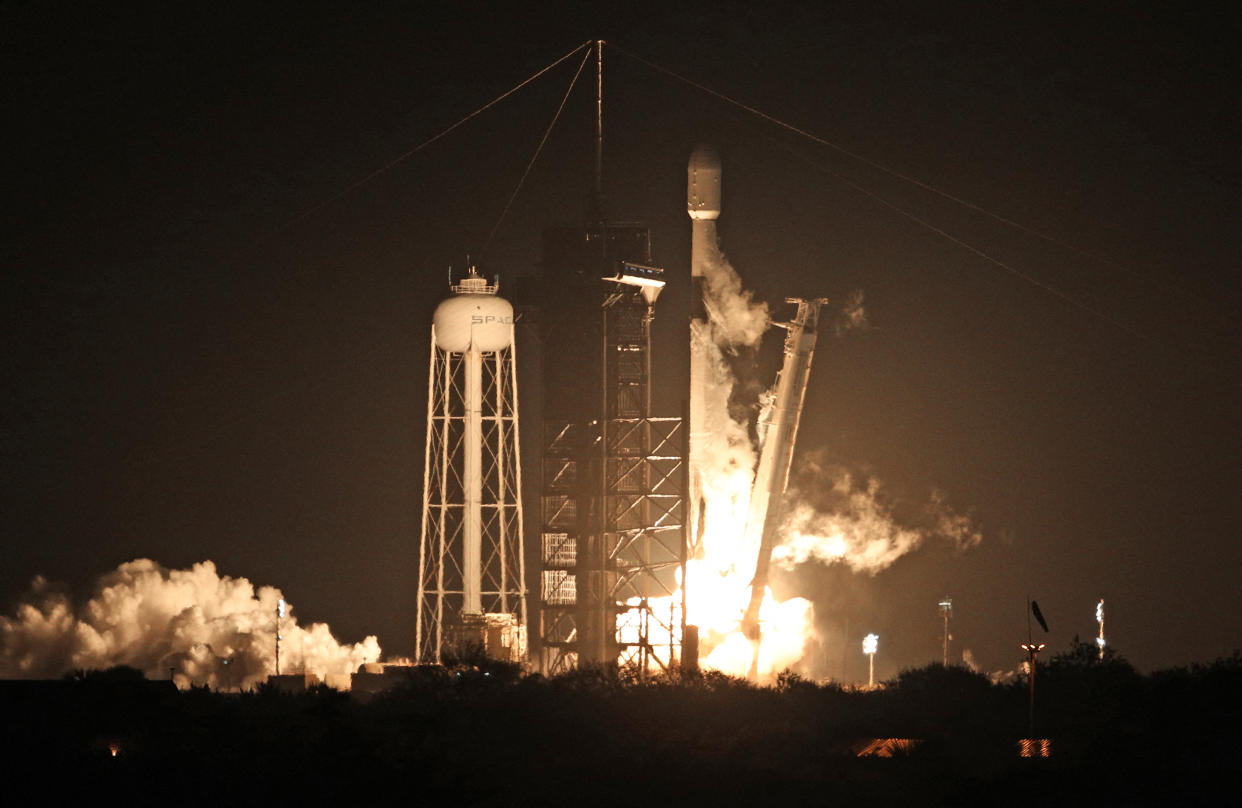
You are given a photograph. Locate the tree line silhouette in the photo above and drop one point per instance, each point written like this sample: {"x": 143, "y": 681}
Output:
{"x": 480, "y": 732}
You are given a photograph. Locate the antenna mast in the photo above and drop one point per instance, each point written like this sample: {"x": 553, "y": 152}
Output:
{"x": 599, "y": 117}
{"x": 595, "y": 204}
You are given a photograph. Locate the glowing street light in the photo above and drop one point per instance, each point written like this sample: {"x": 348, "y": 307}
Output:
{"x": 1032, "y": 648}
{"x": 946, "y": 611}
{"x": 870, "y": 643}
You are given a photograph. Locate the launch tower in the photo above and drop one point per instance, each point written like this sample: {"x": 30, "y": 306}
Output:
{"x": 613, "y": 485}
{"x": 613, "y": 488}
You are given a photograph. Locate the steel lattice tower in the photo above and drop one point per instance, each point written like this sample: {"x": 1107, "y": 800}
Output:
{"x": 613, "y": 490}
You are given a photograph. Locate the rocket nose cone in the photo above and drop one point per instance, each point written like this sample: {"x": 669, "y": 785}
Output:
{"x": 703, "y": 183}
{"x": 705, "y": 158}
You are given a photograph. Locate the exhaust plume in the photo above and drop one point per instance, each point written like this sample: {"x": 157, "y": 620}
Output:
{"x": 735, "y": 318}
{"x": 829, "y": 517}
{"x": 851, "y": 316}
{"x": 850, "y": 523}
{"x": 719, "y": 575}
{"x": 207, "y": 628}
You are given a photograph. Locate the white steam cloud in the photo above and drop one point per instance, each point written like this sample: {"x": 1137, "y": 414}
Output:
{"x": 735, "y": 317}
{"x": 829, "y": 518}
{"x": 734, "y": 320}
{"x": 207, "y": 628}
{"x": 851, "y": 316}
{"x": 851, "y": 524}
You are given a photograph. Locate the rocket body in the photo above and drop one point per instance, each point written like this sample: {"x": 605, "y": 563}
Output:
{"x": 703, "y": 204}
{"x": 703, "y": 183}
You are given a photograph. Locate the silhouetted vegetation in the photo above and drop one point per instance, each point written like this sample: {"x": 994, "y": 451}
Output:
{"x": 481, "y": 733}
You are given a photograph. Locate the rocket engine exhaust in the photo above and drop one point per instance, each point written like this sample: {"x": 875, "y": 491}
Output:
{"x": 738, "y": 479}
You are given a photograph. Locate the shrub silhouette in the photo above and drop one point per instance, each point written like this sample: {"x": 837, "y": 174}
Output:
{"x": 458, "y": 734}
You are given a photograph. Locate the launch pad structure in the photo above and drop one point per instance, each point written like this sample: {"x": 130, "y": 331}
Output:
{"x": 613, "y": 490}
{"x": 611, "y": 480}
{"x": 621, "y": 490}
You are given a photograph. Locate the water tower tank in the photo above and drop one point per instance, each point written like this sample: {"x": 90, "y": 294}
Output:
{"x": 474, "y": 318}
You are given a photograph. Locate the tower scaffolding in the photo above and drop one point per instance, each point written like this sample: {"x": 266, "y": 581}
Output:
{"x": 613, "y": 543}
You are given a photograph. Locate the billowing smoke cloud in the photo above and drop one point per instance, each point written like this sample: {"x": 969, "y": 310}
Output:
{"x": 727, "y": 456}
{"x": 736, "y": 319}
{"x": 720, "y": 573}
{"x": 204, "y": 627}
{"x": 849, "y": 522}
{"x": 851, "y": 316}
{"x": 832, "y": 520}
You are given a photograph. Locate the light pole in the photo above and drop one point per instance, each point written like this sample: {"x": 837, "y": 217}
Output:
{"x": 946, "y": 611}
{"x": 1032, "y": 648}
{"x": 280, "y": 615}
{"x": 869, "y": 646}
{"x": 1099, "y": 618}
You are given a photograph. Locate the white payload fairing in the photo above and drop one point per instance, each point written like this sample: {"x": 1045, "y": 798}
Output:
{"x": 703, "y": 205}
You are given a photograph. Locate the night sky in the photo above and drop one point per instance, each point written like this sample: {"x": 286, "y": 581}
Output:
{"x": 192, "y": 369}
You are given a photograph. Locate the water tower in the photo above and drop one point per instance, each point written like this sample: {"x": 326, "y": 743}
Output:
{"x": 472, "y": 572}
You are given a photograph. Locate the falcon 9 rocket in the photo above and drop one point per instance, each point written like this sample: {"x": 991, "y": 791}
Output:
{"x": 703, "y": 205}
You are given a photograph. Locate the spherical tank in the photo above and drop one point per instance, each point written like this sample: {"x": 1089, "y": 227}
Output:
{"x": 484, "y": 320}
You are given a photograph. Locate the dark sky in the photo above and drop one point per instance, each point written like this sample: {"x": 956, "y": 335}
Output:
{"x": 188, "y": 376}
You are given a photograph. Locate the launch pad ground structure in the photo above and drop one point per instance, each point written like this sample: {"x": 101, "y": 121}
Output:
{"x": 618, "y": 601}
{"x": 614, "y": 477}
